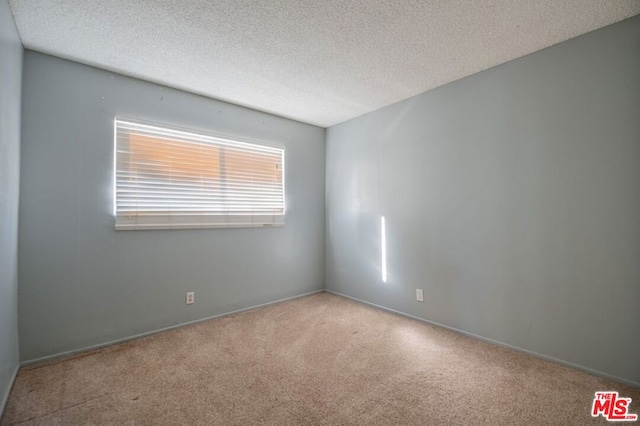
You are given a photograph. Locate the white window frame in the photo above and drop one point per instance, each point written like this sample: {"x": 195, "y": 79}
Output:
{"x": 175, "y": 214}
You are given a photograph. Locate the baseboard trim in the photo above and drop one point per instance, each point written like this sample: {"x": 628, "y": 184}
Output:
{"x": 495, "y": 342}
{"x": 58, "y": 356}
{"x": 5, "y": 397}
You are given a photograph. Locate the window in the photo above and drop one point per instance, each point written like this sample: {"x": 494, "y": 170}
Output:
{"x": 166, "y": 178}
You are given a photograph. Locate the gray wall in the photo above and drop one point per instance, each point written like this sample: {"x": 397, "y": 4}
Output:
{"x": 10, "y": 88}
{"x": 512, "y": 197}
{"x": 84, "y": 284}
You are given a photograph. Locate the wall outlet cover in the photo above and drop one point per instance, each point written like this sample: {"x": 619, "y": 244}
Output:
{"x": 419, "y": 295}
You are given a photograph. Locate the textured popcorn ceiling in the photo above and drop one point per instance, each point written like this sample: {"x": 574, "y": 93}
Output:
{"x": 317, "y": 61}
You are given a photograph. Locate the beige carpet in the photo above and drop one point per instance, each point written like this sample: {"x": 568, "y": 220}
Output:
{"x": 321, "y": 359}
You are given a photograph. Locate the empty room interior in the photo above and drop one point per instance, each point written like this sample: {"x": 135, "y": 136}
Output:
{"x": 346, "y": 212}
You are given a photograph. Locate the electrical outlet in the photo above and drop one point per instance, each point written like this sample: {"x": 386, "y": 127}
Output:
{"x": 419, "y": 295}
{"x": 190, "y": 297}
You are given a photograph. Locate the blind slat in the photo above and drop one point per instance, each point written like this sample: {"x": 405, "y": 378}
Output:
{"x": 169, "y": 178}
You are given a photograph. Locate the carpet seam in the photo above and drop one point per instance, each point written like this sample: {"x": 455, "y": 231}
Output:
{"x": 30, "y": 419}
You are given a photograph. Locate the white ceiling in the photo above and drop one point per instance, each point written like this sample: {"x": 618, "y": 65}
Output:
{"x": 317, "y": 61}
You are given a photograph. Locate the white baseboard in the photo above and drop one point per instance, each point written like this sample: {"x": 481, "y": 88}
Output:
{"x": 384, "y": 308}
{"x": 54, "y": 357}
{"x": 496, "y": 342}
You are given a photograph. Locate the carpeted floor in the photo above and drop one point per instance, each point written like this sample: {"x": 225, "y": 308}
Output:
{"x": 320, "y": 359}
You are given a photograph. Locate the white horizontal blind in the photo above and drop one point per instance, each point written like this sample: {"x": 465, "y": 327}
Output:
{"x": 169, "y": 179}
